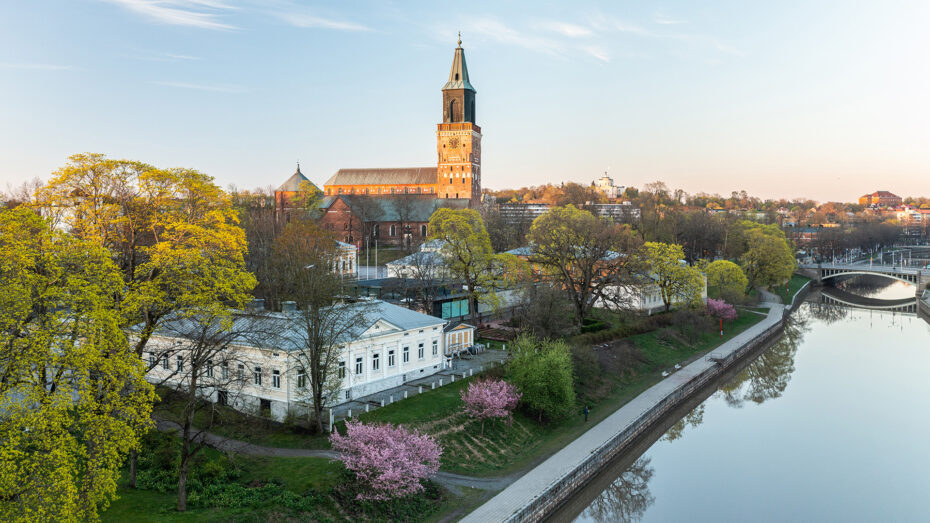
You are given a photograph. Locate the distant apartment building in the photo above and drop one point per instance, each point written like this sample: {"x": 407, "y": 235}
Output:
{"x": 605, "y": 185}
{"x": 522, "y": 212}
{"x": 880, "y": 199}
{"x": 619, "y": 212}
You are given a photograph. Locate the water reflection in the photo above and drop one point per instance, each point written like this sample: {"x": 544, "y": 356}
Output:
{"x": 692, "y": 419}
{"x": 767, "y": 377}
{"x": 876, "y": 287}
{"x": 626, "y": 498}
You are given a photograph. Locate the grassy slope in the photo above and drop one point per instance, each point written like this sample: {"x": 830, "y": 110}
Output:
{"x": 503, "y": 448}
{"x": 794, "y": 285}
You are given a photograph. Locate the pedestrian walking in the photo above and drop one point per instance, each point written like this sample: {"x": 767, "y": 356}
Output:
{"x": 586, "y": 411}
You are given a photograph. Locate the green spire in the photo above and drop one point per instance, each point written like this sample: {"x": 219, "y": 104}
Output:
{"x": 458, "y": 76}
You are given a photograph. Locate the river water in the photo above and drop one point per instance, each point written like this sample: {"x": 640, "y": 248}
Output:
{"x": 829, "y": 424}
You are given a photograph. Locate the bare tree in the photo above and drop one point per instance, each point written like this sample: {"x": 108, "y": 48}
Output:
{"x": 194, "y": 355}
{"x": 322, "y": 322}
{"x": 428, "y": 271}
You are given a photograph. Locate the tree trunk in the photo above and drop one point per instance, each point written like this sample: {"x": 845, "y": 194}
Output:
{"x": 182, "y": 487}
{"x": 132, "y": 469}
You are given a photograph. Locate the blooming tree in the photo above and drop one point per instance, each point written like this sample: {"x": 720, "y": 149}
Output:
{"x": 490, "y": 399}
{"x": 389, "y": 461}
{"x": 720, "y": 309}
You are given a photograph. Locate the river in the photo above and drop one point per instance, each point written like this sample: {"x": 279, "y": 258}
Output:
{"x": 828, "y": 424}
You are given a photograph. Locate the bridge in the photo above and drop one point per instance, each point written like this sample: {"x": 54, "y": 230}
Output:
{"x": 824, "y": 271}
{"x": 839, "y": 297}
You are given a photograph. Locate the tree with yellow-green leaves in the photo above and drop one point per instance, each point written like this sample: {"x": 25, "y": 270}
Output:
{"x": 581, "y": 253}
{"x": 726, "y": 280}
{"x": 471, "y": 260}
{"x": 174, "y": 235}
{"x": 662, "y": 264}
{"x": 73, "y": 398}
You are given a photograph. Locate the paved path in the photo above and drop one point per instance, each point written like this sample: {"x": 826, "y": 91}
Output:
{"x": 446, "y": 479}
{"x": 537, "y": 480}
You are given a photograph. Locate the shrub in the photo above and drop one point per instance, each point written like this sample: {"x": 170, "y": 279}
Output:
{"x": 389, "y": 461}
{"x": 486, "y": 399}
{"x": 542, "y": 370}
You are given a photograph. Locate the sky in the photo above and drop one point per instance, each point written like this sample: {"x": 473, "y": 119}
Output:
{"x": 819, "y": 99}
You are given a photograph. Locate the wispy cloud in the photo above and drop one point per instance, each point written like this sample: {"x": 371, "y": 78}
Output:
{"x": 564, "y": 29}
{"x": 299, "y": 15}
{"x": 205, "y": 14}
{"x": 308, "y": 21}
{"x": 214, "y": 88}
{"x": 164, "y": 57}
{"x": 36, "y": 67}
{"x": 597, "y": 51}
{"x": 496, "y": 31}
{"x": 662, "y": 19}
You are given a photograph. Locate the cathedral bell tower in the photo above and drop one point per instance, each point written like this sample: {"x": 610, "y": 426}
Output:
{"x": 458, "y": 138}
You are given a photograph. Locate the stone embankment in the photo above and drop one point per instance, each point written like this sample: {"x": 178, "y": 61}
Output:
{"x": 543, "y": 489}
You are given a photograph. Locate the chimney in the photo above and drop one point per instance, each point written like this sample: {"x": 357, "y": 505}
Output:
{"x": 288, "y": 306}
{"x": 257, "y": 304}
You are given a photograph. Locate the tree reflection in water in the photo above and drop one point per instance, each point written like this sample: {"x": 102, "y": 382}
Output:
{"x": 692, "y": 419}
{"x": 627, "y": 498}
{"x": 827, "y": 312}
{"x": 768, "y": 376}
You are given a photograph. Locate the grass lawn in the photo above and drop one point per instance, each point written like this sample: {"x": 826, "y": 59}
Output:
{"x": 233, "y": 424}
{"x": 794, "y": 285}
{"x": 502, "y": 448}
{"x": 385, "y": 255}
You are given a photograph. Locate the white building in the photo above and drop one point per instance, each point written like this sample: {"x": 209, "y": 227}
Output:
{"x": 345, "y": 262}
{"x": 605, "y": 184}
{"x": 260, "y": 371}
{"x": 645, "y": 299}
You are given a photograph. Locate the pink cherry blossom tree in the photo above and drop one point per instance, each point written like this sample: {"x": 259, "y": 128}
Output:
{"x": 721, "y": 309}
{"x": 486, "y": 399}
{"x": 389, "y": 461}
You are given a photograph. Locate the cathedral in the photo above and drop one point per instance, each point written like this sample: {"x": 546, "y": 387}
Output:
{"x": 394, "y": 204}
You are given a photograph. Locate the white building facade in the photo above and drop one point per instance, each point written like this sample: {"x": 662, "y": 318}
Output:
{"x": 266, "y": 377}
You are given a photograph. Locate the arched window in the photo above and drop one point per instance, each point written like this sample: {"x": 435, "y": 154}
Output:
{"x": 393, "y": 230}
{"x": 452, "y": 110}
{"x": 423, "y": 231}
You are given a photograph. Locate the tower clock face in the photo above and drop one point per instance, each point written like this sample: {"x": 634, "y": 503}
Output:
{"x": 454, "y": 142}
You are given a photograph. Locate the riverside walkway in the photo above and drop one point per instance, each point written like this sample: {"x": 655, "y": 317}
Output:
{"x": 508, "y": 504}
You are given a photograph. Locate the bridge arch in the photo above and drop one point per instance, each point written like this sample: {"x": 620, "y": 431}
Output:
{"x": 911, "y": 279}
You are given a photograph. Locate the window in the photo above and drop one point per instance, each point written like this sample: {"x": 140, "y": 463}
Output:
{"x": 420, "y": 351}
{"x": 342, "y": 369}
{"x": 391, "y": 361}
{"x": 276, "y": 379}
{"x": 209, "y": 368}
{"x": 224, "y": 370}
{"x": 406, "y": 354}
{"x": 222, "y": 397}
{"x": 257, "y": 376}
{"x": 179, "y": 362}
{"x": 240, "y": 371}
{"x": 423, "y": 230}
{"x": 435, "y": 347}
{"x": 375, "y": 361}
{"x": 164, "y": 362}
{"x": 359, "y": 366}
{"x": 301, "y": 379}
{"x": 348, "y": 395}
{"x": 153, "y": 360}
{"x": 393, "y": 230}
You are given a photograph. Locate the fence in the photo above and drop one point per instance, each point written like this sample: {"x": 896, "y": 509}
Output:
{"x": 558, "y": 491}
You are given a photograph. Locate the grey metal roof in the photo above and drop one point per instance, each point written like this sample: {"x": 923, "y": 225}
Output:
{"x": 283, "y": 331}
{"x": 293, "y": 183}
{"x": 397, "y": 208}
{"x": 384, "y": 176}
{"x": 458, "y": 76}
{"x": 423, "y": 258}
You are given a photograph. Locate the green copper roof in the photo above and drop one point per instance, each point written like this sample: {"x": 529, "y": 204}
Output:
{"x": 458, "y": 77}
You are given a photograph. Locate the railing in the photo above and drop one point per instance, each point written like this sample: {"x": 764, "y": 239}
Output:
{"x": 562, "y": 488}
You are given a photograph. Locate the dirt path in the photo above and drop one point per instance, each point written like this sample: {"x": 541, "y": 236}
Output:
{"x": 447, "y": 479}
